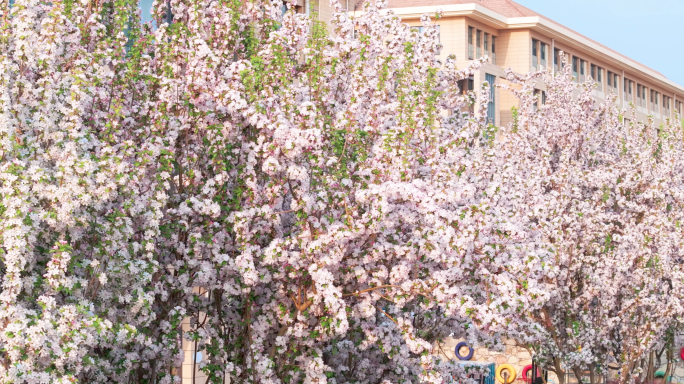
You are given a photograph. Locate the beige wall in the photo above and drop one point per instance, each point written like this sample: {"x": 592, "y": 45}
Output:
{"x": 514, "y": 50}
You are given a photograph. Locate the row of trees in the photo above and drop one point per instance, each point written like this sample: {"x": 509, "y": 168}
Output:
{"x": 305, "y": 200}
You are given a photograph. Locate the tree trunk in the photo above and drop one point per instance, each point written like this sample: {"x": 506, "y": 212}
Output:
{"x": 592, "y": 376}
{"x": 559, "y": 371}
{"x": 651, "y": 367}
{"x": 670, "y": 366}
{"x": 626, "y": 372}
{"x": 644, "y": 371}
{"x": 578, "y": 374}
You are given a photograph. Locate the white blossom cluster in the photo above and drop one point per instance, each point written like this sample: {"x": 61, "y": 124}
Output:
{"x": 316, "y": 202}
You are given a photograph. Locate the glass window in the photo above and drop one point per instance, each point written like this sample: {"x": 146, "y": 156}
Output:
{"x": 471, "y": 53}
{"x": 478, "y": 43}
{"x": 557, "y": 60}
{"x": 599, "y": 75}
{"x": 610, "y": 78}
{"x": 491, "y": 106}
{"x": 575, "y": 65}
{"x": 542, "y": 52}
{"x": 486, "y": 42}
{"x": 535, "y": 54}
{"x": 493, "y": 49}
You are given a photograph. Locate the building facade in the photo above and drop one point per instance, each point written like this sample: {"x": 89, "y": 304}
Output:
{"x": 515, "y": 37}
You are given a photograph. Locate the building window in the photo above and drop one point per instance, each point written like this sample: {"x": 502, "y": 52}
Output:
{"x": 575, "y": 67}
{"x": 583, "y": 69}
{"x": 466, "y": 85}
{"x": 493, "y": 49}
{"x": 535, "y": 54}
{"x": 542, "y": 52}
{"x": 613, "y": 82}
{"x": 491, "y": 106}
{"x": 624, "y": 89}
{"x": 641, "y": 96}
{"x": 597, "y": 75}
{"x": 627, "y": 90}
{"x": 539, "y": 96}
{"x": 420, "y": 30}
{"x": 610, "y": 79}
{"x": 486, "y": 43}
{"x": 556, "y": 60}
{"x": 666, "y": 105}
{"x": 479, "y": 43}
{"x": 470, "y": 43}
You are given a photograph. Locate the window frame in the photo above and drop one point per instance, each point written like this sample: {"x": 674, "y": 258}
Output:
{"x": 471, "y": 50}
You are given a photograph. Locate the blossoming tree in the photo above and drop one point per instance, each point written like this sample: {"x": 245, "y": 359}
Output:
{"x": 316, "y": 204}
{"x": 609, "y": 210}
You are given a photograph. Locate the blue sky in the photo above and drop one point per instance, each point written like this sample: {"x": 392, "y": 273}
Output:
{"x": 650, "y": 32}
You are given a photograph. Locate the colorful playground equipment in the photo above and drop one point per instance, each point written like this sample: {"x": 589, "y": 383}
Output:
{"x": 511, "y": 373}
{"x": 525, "y": 370}
{"x": 457, "y": 351}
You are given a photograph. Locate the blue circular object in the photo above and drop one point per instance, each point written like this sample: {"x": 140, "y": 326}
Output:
{"x": 458, "y": 353}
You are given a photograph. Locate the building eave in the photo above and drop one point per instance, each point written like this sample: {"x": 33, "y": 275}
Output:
{"x": 546, "y": 27}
